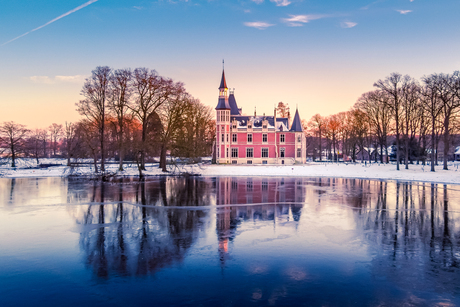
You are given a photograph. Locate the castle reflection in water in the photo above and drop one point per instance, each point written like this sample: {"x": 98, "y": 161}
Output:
{"x": 263, "y": 199}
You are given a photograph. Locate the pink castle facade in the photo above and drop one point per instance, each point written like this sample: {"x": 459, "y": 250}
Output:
{"x": 242, "y": 139}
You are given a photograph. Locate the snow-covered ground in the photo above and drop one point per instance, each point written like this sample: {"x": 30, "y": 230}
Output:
{"x": 312, "y": 169}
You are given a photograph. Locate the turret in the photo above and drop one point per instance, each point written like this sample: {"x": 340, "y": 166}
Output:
{"x": 223, "y": 123}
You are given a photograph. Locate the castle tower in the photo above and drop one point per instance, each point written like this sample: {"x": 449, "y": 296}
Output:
{"x": 223, "y": 124}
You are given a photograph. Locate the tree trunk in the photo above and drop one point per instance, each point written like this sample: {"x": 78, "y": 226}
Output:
{"x": 446, "y": 141}
{"x": 13, "y": 155}
{"x": 406, "y": 152}
{"x": 433, "y": 140}
{"x": 163, "y": 158}
{"x": 95, "y": 163}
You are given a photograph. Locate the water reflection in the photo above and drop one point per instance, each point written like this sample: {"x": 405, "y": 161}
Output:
{"x": 273, "y": 240}
{"x": 125, "y": 229}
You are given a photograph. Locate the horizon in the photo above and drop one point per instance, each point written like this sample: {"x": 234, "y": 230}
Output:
{"x": 318, "y": 56}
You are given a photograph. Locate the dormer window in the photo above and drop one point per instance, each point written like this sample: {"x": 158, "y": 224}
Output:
{"x": 249, "y": 126}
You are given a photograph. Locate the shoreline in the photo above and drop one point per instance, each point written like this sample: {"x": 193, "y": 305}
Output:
{"x": 373, "y": 171}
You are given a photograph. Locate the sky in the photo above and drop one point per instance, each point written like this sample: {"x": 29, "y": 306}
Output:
{"x": 317, "y": 55}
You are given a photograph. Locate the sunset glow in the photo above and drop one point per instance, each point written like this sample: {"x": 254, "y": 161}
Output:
{"x": 319, "y": 56}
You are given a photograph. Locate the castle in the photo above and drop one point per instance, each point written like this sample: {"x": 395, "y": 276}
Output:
{"x": 242, "y": 139}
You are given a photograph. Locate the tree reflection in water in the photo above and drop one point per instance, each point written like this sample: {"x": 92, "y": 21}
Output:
{"x": 126, "y": 229}
{"x": 411, "y": 230}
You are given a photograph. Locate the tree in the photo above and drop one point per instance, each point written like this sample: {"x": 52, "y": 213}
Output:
{"x": 433, "y": 106}
{"x": 70, "y": 140}
{"x": 34, "y": 144}
{"x": 317, "y": 123}
{"x": 55, "y": 132}
{"x": 282, "y": 110}
{"x": 171, "y": 115}
{"x": 120, "y": 82}
{"x": 375, "y": 105}
{"x": 410, "y": 102}
{"x": 150, "y": 92}
{"x": 96, "y": 91}
{"x": 393, "y": 86}
{"x": 13, "y": 135}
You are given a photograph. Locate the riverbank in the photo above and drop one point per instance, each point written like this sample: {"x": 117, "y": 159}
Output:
{"x": 312, "y": 169}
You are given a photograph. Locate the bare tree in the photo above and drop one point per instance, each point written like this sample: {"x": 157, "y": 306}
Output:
{"x": 34, "y": 144}
{"x": 13, "y": 136}
{"x": 282, "y": 110}
{"x": 70, "y": 140}
{"x": 55, "y": 132}
{"x": 410, "y": 98}
{"x": 150, "y": 92}
{"x": 393, "y": 86}
{"x": 446, "y": 94}
{"x": 120, "y": 81}
{"x": 375, "y": 105}
{"x": 171, "y": 114}
{"x": 96, "y": 91}
{"x": 43, "y": 137}
{"x": 317, "y": 123}
{"x": 433, "y": 105}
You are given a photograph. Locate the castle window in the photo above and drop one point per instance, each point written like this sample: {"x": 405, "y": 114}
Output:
{"x": 227, "y": 137}
{"x": 234, "y": 138}
{"x": 227, "y": 152}
{"x": 234, "y": 126}
{"x": 223, "y": 137}
{"x": 249, "y": 185}
{"x": 282, "y": 151}
{"x": 264, "y": 127}
{"x": 249, "y": 152}
{"x": 234, "y": 152}
{"x": 249, "y": 126}
{"x": 282, "y": 138}
{"x": 264, "y": 185}
{"x": 264, "y": 138}
{"x": 264, "y": 152}
{"x": 299, "y": 152}
{"x": 249, "y": 138}
{"x": 299, "y": 139}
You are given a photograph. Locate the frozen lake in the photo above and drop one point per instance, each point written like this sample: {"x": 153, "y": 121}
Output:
{"x": 229, "y": 241}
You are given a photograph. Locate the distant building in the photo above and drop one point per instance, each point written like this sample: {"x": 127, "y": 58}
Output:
{"x": 243, "y": 139}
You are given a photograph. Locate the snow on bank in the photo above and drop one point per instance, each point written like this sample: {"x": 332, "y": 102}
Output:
{"x": 370, "y": 171}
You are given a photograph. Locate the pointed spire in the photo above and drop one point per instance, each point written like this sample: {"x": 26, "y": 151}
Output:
{"x": 223, "y": 83}
{"x": 296, "y": 124}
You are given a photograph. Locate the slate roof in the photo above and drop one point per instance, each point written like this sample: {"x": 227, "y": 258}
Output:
{"x": 233, "y": 106}
{"x": 223, "y": 83}
{"x": 222, "y": 104}
{"x": 296, "y": 124}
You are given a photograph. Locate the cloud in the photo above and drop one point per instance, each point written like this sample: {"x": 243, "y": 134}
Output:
{"x": 258, "y": 25}
{"x": 348, "y": 24}
{"x": 138, "y": 7}
{"x": 55, "y": 19}
{"x": 281, "y": 2}
{"x": 371, "y": 4}
{"x": 258, "y": 1}
{"x": 404, "y": 12}
{"x": 300, "y": 20}
{"x": 57, "y": 79}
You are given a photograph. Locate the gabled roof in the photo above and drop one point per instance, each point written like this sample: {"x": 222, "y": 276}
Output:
{"x": 296, "y": 124}
{"x": 223, "y": 83}
{"x": 233, "y": 106}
